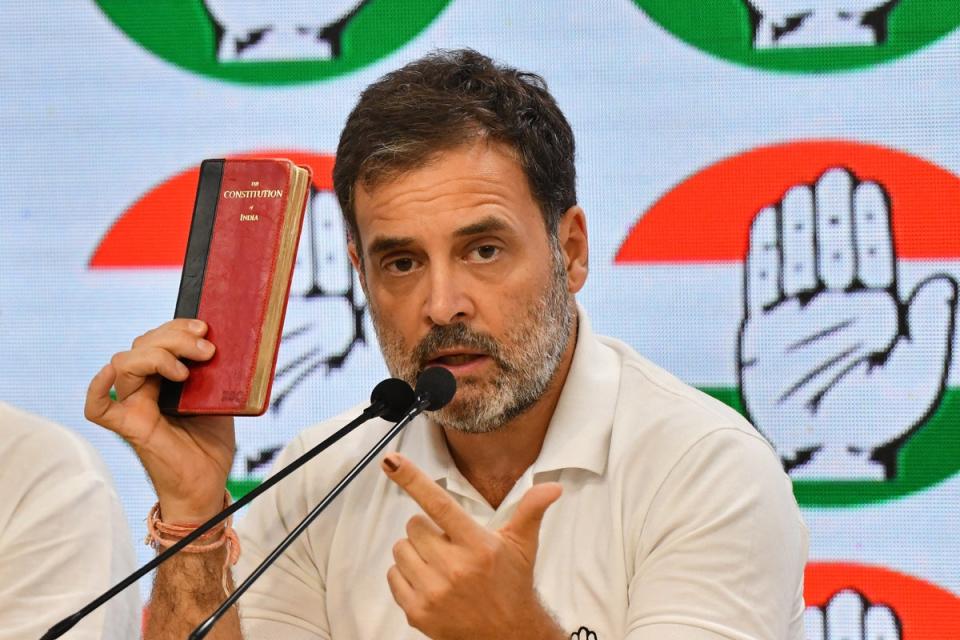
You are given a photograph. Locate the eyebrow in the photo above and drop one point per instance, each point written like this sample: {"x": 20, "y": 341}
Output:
{"x": 486, "y": 225}
{"x": 383, "y": 244}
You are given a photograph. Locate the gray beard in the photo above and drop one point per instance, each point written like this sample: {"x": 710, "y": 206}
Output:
{"x": 527, "y": 359}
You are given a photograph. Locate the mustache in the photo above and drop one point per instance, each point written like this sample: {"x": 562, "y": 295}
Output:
{"x": 456, "y": 336}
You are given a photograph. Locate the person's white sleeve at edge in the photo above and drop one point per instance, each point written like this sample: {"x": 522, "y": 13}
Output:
{"x": 722, "y": 548}
{"x": 63, "y": 535}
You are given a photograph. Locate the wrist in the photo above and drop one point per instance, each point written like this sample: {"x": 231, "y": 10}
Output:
{"x": 190, "y": 512}
{"x": 540, "y": 624}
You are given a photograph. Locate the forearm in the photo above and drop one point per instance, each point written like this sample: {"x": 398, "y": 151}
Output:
{"x": 187, "y": 589}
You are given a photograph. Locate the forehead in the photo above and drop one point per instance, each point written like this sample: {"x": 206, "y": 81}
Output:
{"x": 479, "y": 179}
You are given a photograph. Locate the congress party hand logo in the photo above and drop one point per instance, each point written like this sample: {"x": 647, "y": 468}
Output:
{"x": 839, "y": 264}
{"x": 847, "y": 601}
{"x": 272, "y": 43}
{"x": 850, "y": 616}
{"x": 326, "y": 309}
{"x": 819, "y": 23}
{"x": 806, "y": 36}
{"x": 281, "y": 30}
{"x": 826, "y": 335}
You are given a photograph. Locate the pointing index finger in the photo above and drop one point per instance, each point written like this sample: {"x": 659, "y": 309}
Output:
{"x": 435, "y": 502}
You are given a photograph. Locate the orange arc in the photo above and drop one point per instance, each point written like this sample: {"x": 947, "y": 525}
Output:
{"x": 926, "y": 611}
{"x": 707, "y": 217}
{"x": 152, "y": 233}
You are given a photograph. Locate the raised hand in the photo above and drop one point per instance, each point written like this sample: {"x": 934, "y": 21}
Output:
{"x": 187, "y": 459}
{"x": 455, "y": 579}
{"x": 819, "y": 23}
{"x": 833, "y": 364}
{"x": 849, "y": 616}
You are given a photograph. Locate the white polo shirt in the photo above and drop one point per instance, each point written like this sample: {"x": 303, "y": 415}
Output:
{"x": 676, "y": 519}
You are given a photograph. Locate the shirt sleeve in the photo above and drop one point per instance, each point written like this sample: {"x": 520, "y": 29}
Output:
{"x": 722, "y": 548}
{"x": 289, "y": 599}
{"x": 65, "y": 542}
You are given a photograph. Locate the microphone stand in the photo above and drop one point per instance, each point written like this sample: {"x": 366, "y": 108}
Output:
{"x": 376, "y": 409}
{"x": 204, "y": 628}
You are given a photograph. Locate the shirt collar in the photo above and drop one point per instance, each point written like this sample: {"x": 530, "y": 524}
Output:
{"x": 579, "y": 432}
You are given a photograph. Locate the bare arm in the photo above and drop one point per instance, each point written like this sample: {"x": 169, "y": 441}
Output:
{"x": 187, "y": 459}
{"x": 187, "y": 589}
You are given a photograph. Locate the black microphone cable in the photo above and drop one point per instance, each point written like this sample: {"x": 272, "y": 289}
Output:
{"x": 435, "y": 388}
{"x": 390, "y": 400}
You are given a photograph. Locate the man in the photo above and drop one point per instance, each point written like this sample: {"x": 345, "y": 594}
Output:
{"x": 456, "y": 178}
{"x": 63, "y": 535}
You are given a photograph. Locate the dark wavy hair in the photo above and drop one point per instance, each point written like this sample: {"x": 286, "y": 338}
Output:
{"x": 447, "y": 99}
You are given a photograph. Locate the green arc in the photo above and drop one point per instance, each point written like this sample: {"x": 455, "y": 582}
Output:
{"x": 723, "y": 28}
{"x": 181, "y": 32}
{"x": 930, "y": 456}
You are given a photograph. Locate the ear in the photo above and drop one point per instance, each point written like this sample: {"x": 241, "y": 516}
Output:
{"x": 572, "y": 235}
{"x": 357, "y": 263}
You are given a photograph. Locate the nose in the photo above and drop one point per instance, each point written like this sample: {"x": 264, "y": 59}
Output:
{"x": 448, "y": 300}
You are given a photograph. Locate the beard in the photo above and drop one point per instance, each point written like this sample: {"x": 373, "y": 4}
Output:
{"x": 525, "y": 360}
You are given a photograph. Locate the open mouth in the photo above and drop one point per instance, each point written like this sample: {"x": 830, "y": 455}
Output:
{"x": 459, "y": 362}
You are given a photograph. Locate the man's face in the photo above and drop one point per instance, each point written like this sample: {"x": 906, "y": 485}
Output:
{"x": 460, "y": 272}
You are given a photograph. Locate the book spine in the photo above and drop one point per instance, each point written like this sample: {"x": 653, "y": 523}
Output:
{"x": 195, "y": 262}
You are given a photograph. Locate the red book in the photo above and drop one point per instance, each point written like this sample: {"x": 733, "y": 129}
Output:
{"x": 236, "y": 277}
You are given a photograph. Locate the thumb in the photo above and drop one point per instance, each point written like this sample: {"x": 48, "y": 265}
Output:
{"x": 523, "y": 529}
{"x": 931, "y": 307}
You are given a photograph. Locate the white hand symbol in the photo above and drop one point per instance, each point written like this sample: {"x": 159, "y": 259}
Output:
{"x": 819, "y": 23}
{"x": 848, "y": 616}
{"x": 325, "y": 311}
{"x": 280, "y": 30}
{"x": 583, "y": 634}
{"x": 833, "y": 365}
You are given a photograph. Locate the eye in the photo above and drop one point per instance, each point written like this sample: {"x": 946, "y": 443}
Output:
{"x": 485, "y": 252}
{"x": 400, "y": 265}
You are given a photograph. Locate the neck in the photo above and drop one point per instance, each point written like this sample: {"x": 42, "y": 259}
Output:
{"x": 493, "y": 462}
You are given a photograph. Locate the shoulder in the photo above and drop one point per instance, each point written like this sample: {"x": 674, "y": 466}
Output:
{"x": 33, "y": 447}
{"x": 668, "y": 437}
{"x": 657, "y": 412}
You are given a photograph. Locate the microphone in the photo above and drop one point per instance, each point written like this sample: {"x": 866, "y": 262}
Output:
{"x": 390, "y": 400}
{"x": 436, "y": 387}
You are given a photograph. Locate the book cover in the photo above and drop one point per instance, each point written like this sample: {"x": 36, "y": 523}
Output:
{"x": 241, "y": 251}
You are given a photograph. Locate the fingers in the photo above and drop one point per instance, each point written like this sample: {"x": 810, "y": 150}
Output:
{"x": 813, "y": 623}
{"x": 880, "y": 623}
{"x": 763, "y": 262}
{"x": 873, "y": 236}
{"x": 134, "y": 367}
{"x": 435, "y": 502}
{"x": 403, "y": 593}
{"x": 834, "y": 219}
{"x": 524, "y": 526}
{"x": 428, "y": 540}
{"x": 157, "y": 352}
{"x": 829, "y": 236}
{"x": 844, "y": 616}
{"x": 799, "y": 247}
{"x": 99, "y": 407}
{"x": 412, "y": 566}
